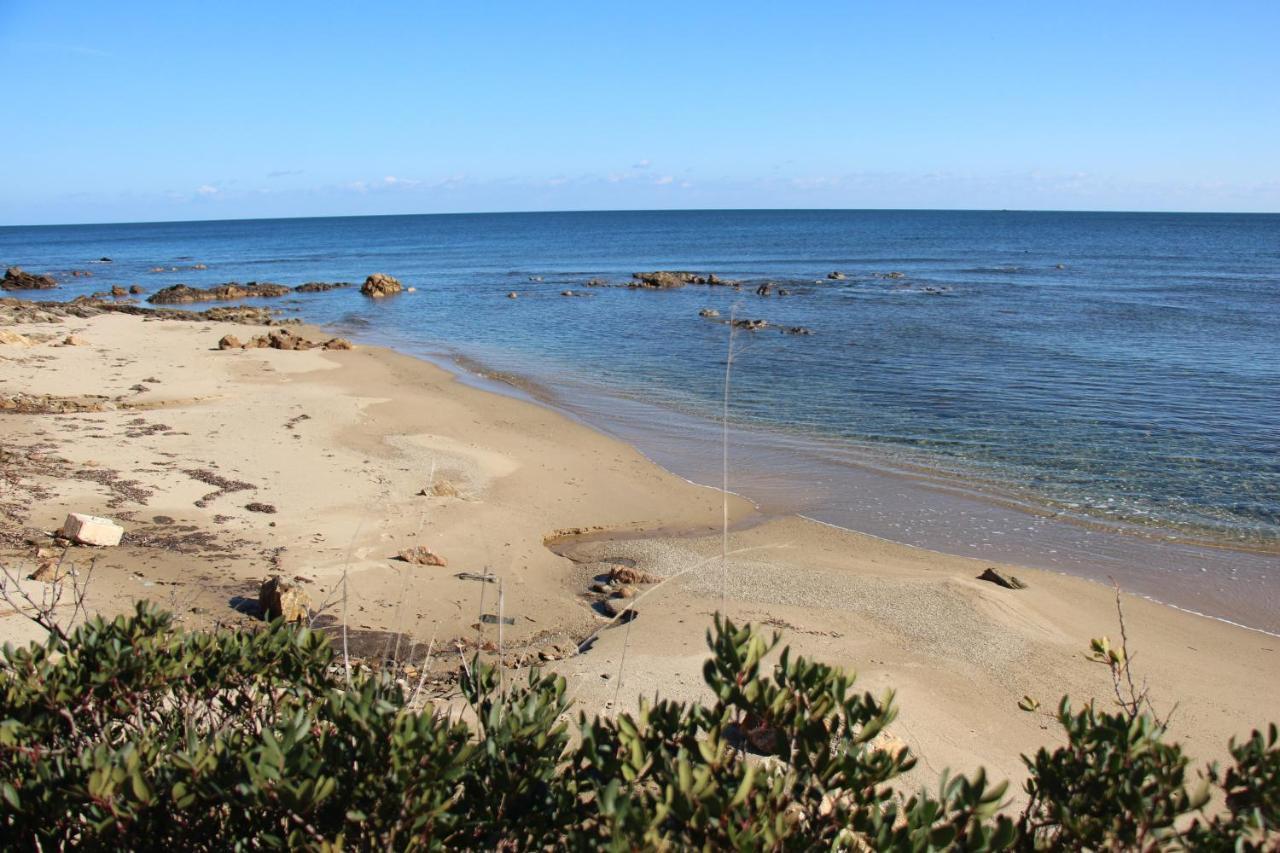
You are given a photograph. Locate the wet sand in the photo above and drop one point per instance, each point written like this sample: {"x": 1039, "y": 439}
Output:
{"x": 340, "y": 445}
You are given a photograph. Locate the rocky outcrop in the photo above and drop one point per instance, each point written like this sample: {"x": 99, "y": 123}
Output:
{"x": 282, "y": 599}
{"x": 181, "y": 294}
{"x": 15, "y": 278}
{"x": 119, "y": 291}
{"x": 136, "y": 289}
{"x": 379, "y": 285}
{"x": 668, "y": 279}
{"x": 282, "y": 339}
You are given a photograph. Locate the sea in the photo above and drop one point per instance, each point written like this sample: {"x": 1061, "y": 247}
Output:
{"x": 1091, "y": 393}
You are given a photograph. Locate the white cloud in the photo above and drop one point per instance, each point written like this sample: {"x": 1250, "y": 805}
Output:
{"x": 207, "y": 190}
{"x": 664, "y": 180}
{"x": 643, "y": 164}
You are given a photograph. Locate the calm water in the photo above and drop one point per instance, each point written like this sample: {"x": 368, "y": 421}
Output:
{"x": 1105, "y": 371}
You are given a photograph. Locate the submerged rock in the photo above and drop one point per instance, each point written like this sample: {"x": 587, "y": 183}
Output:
{"x": 764, "y": 289}
{"x": 836, "y": 275}
{"x": 320, "y": 286}
{"x": 709, "y": 313}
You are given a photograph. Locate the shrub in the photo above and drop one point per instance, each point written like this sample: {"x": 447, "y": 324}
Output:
{"x": 131, "y": 734}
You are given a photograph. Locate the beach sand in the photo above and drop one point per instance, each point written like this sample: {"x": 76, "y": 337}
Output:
{"x": 341, "y": 444}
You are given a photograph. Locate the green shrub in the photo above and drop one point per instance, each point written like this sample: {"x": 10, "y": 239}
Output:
{"x": 130, "y": 734}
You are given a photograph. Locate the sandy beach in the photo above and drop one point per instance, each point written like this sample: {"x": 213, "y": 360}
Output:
{"x": 226, "y": 466}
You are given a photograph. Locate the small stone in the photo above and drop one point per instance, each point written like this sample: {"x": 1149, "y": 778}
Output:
{"x": 421, "y": 555}
{"x": 630, "y": 575}
{"x": 1000, "y": 579}
{"x": 50, "y": 571}
{"x": 260, "y": 507}
{"x": 74, "y": 341}
{"x": 229, "y": 342}
{"x": 513, "y": 295}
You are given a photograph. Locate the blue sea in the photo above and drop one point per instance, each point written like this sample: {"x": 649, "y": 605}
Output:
{"x": 1097, "y": 393}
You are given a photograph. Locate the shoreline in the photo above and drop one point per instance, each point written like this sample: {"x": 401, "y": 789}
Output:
{"x": 1125, "y": 549}
{"x": 382, "y": 425}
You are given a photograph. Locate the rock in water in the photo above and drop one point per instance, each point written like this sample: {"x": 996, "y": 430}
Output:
{"x": 421, "y": 555}
{"x": 709, "y": 313}
{"x": 91, "y": 530}
{"x": 16, "y": 279}
{"x": 379, "y": 285}
{"x": 836, "y": 275}
{"x": 282, "y": 599}
{"x": 1000, "y": 579}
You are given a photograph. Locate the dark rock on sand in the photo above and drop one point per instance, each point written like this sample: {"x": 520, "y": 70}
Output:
{"x": 379, "y": 285}
{"x": 282, "y": 599}
{"x": 1000, "y": 579}
{"x": 230, "y": 342}
{"x": 269, "y": 509}
{"x": 15, "y": 278}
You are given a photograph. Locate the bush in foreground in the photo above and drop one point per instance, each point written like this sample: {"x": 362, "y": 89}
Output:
{"x": 130, "y": 734}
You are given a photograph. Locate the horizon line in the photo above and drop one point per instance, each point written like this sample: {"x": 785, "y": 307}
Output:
{"x": 649, "y": 210}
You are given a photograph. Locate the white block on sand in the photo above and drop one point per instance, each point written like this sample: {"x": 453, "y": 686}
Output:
{"x": 91, "y": 530}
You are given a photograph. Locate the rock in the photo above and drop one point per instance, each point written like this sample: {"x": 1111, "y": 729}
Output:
{"x": 535, "y": 278}
{"x": 631, "y": 575}
{"x": 1060, "y": 266}
{"x": 411, "y": 290}
{"x": 338, "y": 343}
{"x": 442, "y": 489}
{"x": 320, "y": 286}
{"x": 601, "y": 588}
{"x": 797, "y": 330}
{"x": 895, "y": 275}
{"x": 282, "y": 599}
{"x": 782, "y": 291}
{"x": 229, "y": 342}
{"x": 567, "y": 293}
{"x": 751, "y": 325}
{"x": 200, "y": 267}
{"x": 836, "y": 275}
{"x": 260, "y": 507}
{"x": 764, "y": 289}
{"x": 119, "y": 291}
{"x": 421, "y": 555}
{"x": 136, "y": 289}
{"x": 74, "y": 341}
{"x": 1000, "y": 579}
{"x": 709, "y": 313}
{"x": 81, "y": 274}
{"x": 13, "y": 339}
{"x": 50, "y": 571}
{"x": 597, "y": 282}
{"x": 379, "y": 285}
{"x": 16, "y": 279}
{"x": 104, "y": 260}
{"x": 624, "y": 592}
{"x": 513, "y": 295}
{"x": 662, "y": 279}
{"x": 91, "y": 530}
{"x": 181, "y": 294}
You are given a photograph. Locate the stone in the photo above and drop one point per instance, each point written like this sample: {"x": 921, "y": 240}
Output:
{"x": 229, "y": 342}
{"x": 320, "y": 286}
{"x": 91, "y": 530}
{"x": 797, "y": 330}
{"x": 625, "y": 592}
{"x": 751, "y": 325}
{"x": 282, "y": 599}
{"x": 136, "y": 289}
{"x": 764, "y": 289}
{"x": 74, "y": 341}
{"x": 442, "y": 489}
{"x": 13, "y": 339}
{"x": 181, "y": 294}
{"x": 513, "y": 295}
{"x": 338, "y": 343}
{"x": 836, "y": 275}
{"x": 421, "y": 555}
{"x": 709, "y": 313}
{"x": 631, "y": 575}
{"x": 379, "y": 285}
{"x": 998, "y": 578}
{"x": 256, "y": 506}
{"x": 17, "y": 279}
{"x": 119, "y": 291}
{"x": 50, "y": 571}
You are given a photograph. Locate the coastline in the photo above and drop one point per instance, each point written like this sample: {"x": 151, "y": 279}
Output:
{"x": 381, "y": 425}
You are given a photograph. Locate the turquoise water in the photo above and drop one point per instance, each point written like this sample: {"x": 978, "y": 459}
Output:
{"x": 1115, "y": 371}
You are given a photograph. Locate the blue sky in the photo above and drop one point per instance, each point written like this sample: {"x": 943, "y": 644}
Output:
{"x": 130, "y": 111}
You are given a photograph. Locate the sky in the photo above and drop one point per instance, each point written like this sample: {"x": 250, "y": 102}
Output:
{"x": 174, "y": 110}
